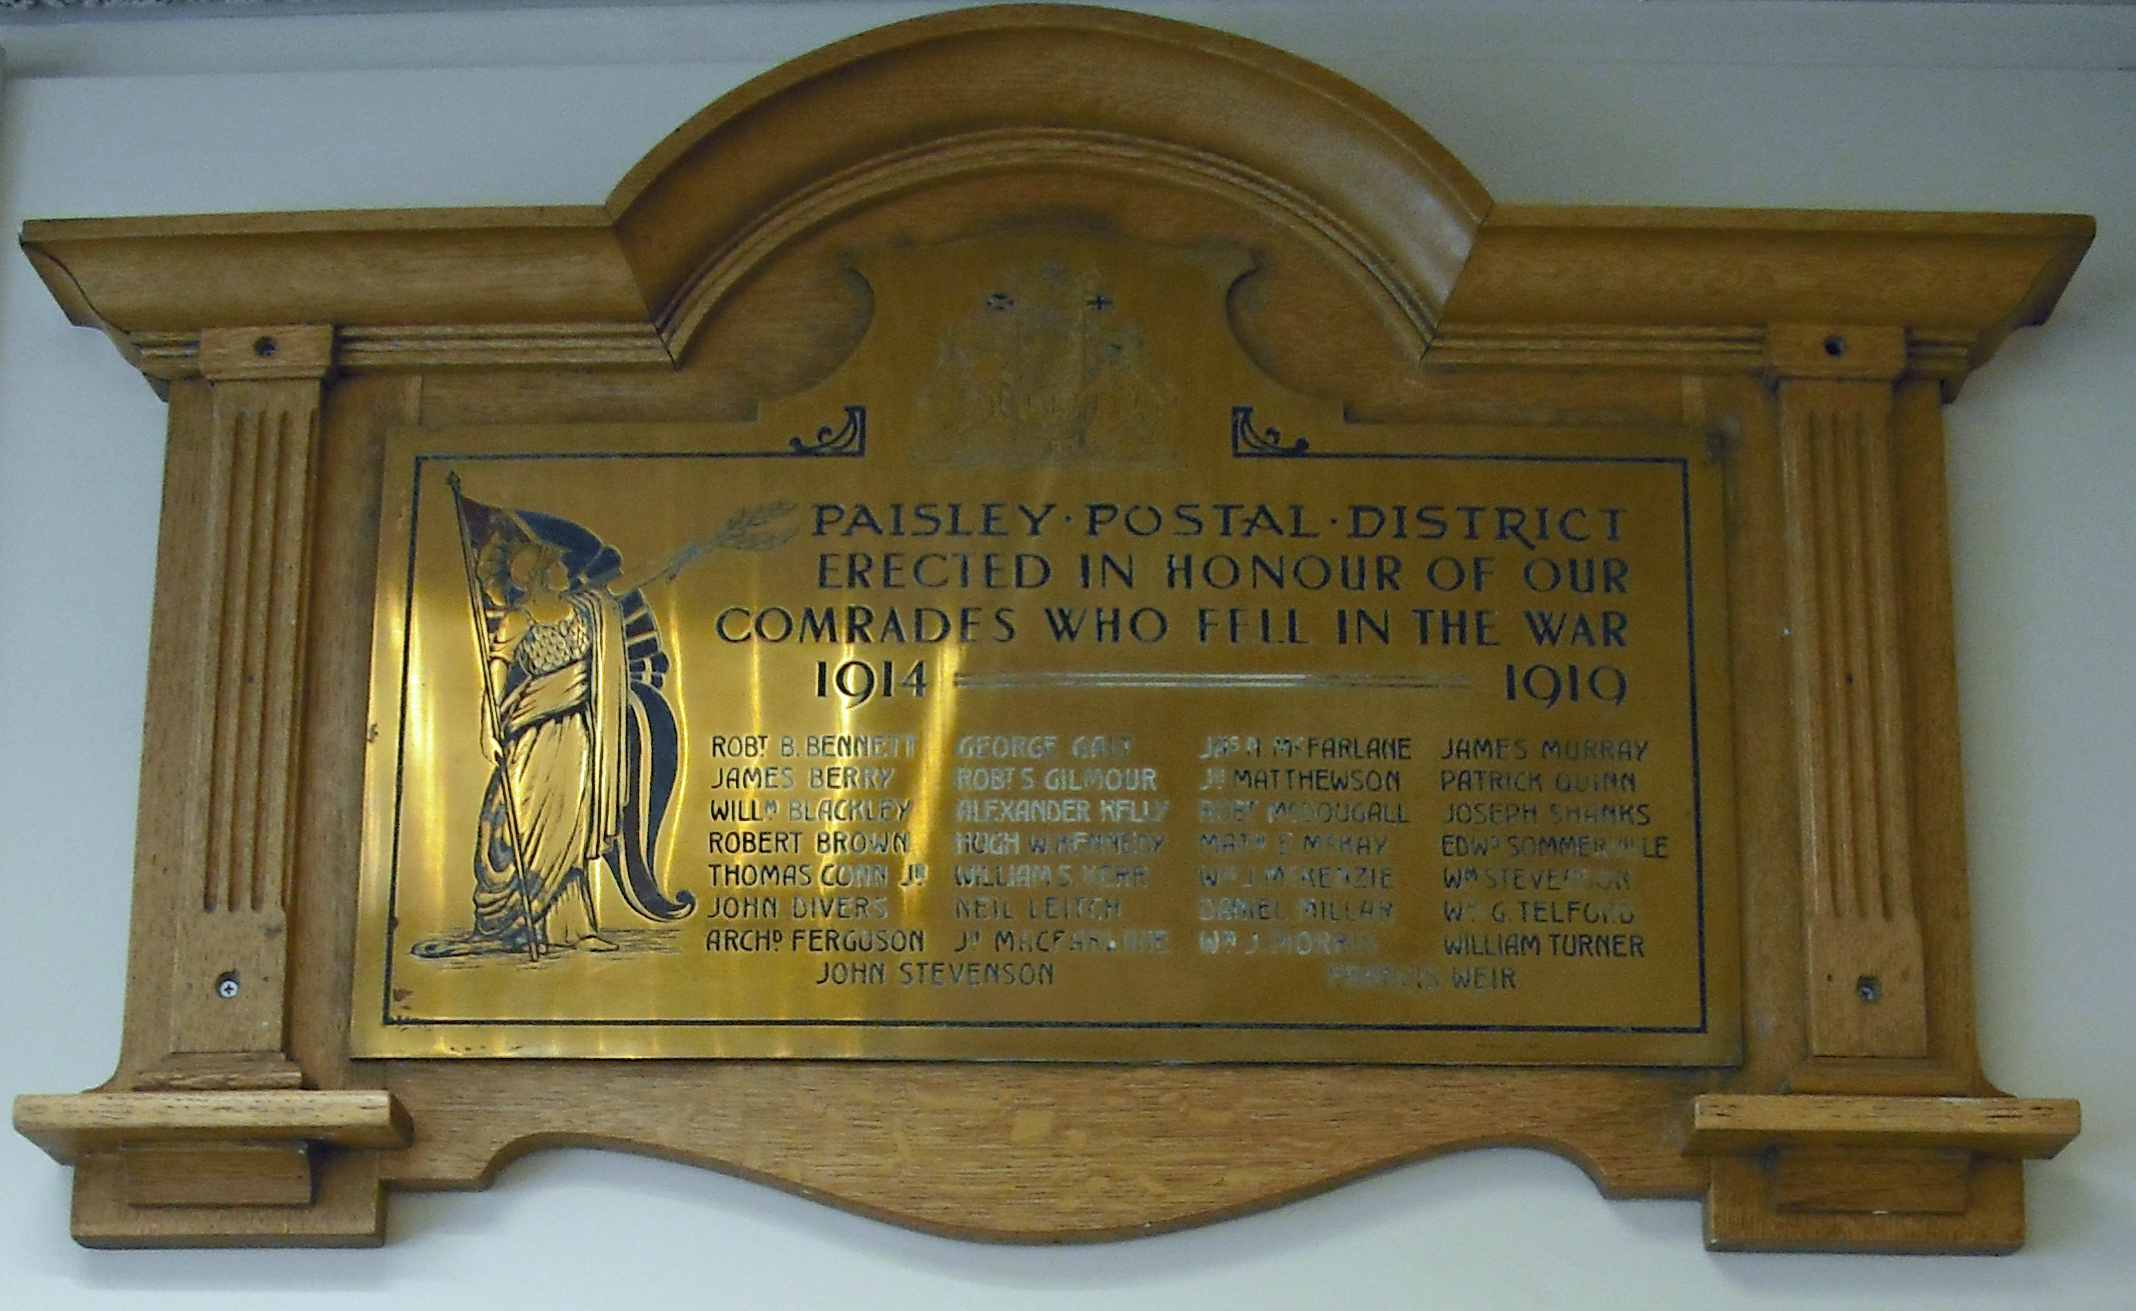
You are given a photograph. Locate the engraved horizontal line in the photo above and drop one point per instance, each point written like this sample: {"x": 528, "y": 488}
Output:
{"x": 410, "y": 1022}
{"x": 1294, "y": 682}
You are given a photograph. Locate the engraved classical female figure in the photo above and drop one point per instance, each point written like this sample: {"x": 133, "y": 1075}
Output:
{"x": 554, "y": 797}
{"x": 580, "y": 734}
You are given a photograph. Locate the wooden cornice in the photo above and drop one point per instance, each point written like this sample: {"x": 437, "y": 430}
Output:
{"x": 1951, "y": 280}
{"x": 976, "y": 93}
{"x": 154, "y": 283}
{"x": 1563, "y": 286}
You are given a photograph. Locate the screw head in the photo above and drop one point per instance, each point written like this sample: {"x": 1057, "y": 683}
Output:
{"x": 226, "y": 985}
{"x": 1869, "y": 988}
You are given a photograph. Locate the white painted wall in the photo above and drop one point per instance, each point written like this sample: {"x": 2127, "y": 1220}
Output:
{"x": 1962, "y": 107}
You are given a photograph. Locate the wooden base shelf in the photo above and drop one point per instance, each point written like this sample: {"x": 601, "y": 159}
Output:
{"x": 69, "y": 1127}
{"x": 1886, "y": 1174}
{"x": 2017, "y": 1128}
{"x": 252, "y": 1167}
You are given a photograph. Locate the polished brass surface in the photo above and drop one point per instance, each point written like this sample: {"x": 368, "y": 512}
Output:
{"x": 1050, "y": 684}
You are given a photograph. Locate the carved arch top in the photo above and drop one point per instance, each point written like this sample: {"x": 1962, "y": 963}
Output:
{"x": 1006, "y": 90}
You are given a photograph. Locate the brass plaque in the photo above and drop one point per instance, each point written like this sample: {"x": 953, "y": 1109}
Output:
{"x": 1050, "y": 684}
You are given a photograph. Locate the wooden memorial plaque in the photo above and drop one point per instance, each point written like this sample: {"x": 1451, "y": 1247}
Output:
{"x": 1044, "y": 587}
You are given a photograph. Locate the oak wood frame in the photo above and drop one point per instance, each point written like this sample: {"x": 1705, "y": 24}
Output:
{"x": 1814, "y": 349}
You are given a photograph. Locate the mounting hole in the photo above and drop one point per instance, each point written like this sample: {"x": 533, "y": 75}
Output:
{"x": 265, "y": 347}
{"x": 1869, "y": 988}
{"x": 1835, "y": 346}
{"x": 226, "y": 985}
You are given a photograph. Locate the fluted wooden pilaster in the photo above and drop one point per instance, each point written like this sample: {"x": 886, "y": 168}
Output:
{"x": 1866, "y": 980}
{"x": 229, "y": 944}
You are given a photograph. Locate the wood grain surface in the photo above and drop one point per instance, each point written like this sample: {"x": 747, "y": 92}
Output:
{"x": 719, "y": 276}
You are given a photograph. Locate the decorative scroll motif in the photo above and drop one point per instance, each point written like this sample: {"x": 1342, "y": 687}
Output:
{"x": 850, "y": 440}
{"x": 1867, "y": 996}
{"x": 1249, "y": 441}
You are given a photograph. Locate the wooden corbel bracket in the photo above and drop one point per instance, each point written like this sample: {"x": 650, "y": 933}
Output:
{"x": 215, "y": 1150}
{"x": 1873, "y": 1173}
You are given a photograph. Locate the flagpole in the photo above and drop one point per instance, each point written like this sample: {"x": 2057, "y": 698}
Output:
{"x": 490, "y": 716}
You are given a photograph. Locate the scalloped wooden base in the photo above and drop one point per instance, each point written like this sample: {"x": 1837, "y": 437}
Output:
{"x": 1084, "y": 1153}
